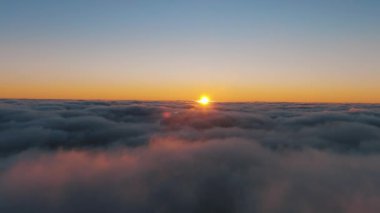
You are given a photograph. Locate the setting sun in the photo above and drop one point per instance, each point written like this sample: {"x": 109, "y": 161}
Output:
{"x": 204, "y": 100}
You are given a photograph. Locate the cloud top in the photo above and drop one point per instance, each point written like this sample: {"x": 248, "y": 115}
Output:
{"x": 123, "y": 156}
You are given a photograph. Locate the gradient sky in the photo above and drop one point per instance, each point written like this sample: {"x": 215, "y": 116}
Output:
{"x": 285, "y": 50}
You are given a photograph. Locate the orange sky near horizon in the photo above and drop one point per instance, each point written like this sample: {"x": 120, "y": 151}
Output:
{"x": 251, "y": 74}
{"x": 224, "y": 94}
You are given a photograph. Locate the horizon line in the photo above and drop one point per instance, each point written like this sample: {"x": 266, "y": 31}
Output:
{"x": 178, "y": 100}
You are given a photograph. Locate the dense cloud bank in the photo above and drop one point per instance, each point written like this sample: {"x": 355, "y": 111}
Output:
{"x": 123, "y": 156}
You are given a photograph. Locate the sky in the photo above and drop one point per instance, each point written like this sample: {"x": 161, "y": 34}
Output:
{"x": 289, "y": 50}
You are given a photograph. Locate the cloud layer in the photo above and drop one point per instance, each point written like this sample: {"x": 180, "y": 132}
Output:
{"x": 123, "y": 156}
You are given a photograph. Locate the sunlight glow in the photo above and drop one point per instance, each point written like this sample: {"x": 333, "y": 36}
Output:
{"x": 204, "y": 100}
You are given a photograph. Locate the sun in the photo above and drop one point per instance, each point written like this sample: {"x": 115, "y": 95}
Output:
{"x": 204, "y": 100}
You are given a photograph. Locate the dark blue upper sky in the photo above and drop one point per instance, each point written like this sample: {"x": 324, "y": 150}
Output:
{"x": 181, "y": 17}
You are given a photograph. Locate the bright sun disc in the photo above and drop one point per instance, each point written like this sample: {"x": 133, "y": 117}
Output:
{"x": 204, "y": 100}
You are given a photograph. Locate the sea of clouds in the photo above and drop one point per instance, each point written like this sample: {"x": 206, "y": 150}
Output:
{"x": 163, "y": 157}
